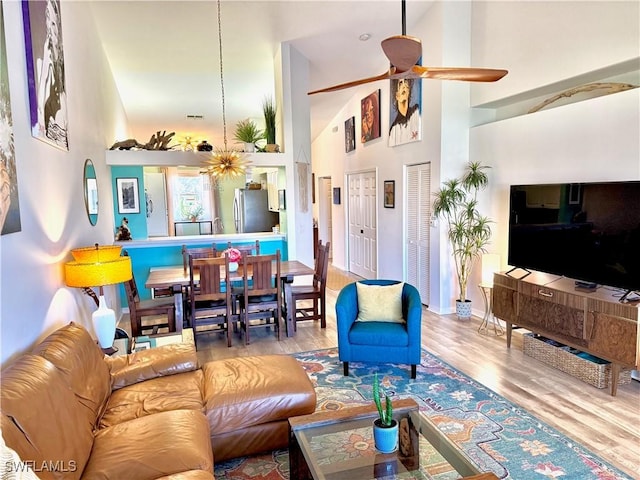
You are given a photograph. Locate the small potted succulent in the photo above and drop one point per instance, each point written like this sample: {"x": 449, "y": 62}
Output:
{"x": 385, "y": 428}
{"x": 248, "y": 133}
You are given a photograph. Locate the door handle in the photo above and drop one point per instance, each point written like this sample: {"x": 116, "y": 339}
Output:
{"x": 361, "y": 231}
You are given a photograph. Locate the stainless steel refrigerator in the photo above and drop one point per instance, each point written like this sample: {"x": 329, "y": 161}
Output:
{"x": 251, "y": 211}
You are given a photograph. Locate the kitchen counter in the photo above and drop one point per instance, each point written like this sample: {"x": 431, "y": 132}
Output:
{"x": 192, "y": 240}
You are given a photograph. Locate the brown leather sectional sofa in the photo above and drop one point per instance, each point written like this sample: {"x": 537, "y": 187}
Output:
{"x": 70, "y": 412}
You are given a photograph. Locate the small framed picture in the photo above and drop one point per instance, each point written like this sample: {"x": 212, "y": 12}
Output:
{"x": 336, "y": 195}
{"x": 350, "y": 135}
{"x": 389, "y": 194}
{"x": 139, "y": 346}
{"x": 282, "y": 202}
{"x": 128, "y": 195}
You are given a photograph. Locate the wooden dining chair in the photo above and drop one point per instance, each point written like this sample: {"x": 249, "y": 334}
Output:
{"x": 210, "y": 302}
{"x": 160, "y": 312}
{"x": 316, "y": 292}
{"x": 261, "y": 299}
{"x": 197, "y": 252}
{"x": 247, "y": 249}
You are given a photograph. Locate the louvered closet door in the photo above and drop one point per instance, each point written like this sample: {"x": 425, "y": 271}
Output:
{"x": 418, "y": 202}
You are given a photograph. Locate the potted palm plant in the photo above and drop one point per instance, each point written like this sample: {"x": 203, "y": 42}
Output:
{"x": 269, "y": 112}
{"x": 248, "y": 133}
{"x": 468, "y": 231}
{"x": 385, "y": 428}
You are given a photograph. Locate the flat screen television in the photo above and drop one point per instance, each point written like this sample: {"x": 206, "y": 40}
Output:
{"x": 589, "y": 232}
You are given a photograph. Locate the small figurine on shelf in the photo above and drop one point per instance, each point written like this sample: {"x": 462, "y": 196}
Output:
{"x": 204, "y": 146}
{"x": 123, "y": 232}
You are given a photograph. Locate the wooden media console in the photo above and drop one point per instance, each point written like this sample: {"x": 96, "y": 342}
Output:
{"x": 591, "y": 321}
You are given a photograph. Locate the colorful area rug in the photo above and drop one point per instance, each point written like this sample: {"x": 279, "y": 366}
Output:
{"x": 497, "y": 435}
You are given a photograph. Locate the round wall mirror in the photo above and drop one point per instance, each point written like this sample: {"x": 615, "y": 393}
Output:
{"x": 90, "y": 192}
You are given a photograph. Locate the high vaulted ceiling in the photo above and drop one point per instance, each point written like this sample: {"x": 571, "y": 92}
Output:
{"x": 165, "y": 57}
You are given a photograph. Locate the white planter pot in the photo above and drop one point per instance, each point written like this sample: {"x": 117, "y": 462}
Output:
{"x": 463, "y": 309}
{"x": 249, "y": 147}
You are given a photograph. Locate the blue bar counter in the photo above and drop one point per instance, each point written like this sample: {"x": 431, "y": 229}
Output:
{"x": 167, "y": 251}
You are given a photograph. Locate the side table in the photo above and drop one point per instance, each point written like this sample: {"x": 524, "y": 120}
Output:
{"x": 489, "y": 319}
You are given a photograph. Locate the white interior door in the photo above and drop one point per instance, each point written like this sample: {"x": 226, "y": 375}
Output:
{"x": 362, "y": 232}
{"x": 156, "y": 204}
{"x": 418, "y": 228}
{"x": 324, "y": 210}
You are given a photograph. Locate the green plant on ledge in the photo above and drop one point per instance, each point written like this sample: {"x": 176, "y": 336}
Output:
{"x": 468, "y": 231}
{"x": 248, "y": 132}
{"x": 386, "y": 415}
{"x": 269, "y": 111}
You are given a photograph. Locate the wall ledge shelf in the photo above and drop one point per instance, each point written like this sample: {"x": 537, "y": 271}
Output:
{"x": 175, "y": 158}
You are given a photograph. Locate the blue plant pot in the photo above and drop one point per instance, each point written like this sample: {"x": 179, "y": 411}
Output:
{"x": 385, "y": 438}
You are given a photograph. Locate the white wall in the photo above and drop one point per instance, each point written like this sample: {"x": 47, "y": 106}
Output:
{"x": 539, "y": 43}
{"x": 33, "y": 297}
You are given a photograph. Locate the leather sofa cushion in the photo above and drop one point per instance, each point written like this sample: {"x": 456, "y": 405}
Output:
{"x": 247, "y": 391}
{"x": 379, "y": 333}
{"x": 176, "y": 392}
{"x": 190, "y": 475}
{"x": 81, "y": 361}
{"x": 152, "y": 363}
{"x": 41, "y": 418}
{"x": 146, "y": 448}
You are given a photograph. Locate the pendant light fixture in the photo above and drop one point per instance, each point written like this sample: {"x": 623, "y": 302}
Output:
{"x": 224, "y": 162}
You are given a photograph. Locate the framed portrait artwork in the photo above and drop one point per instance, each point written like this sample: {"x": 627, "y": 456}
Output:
{"x": 336, "y": 195}
{"x": 282, "y": 202}
{"x": 389, "y": 194}
{"x": 9, "y": 198}
{"x": 405, "y": 111}
{"x": 42, "y": 26}
{"x": 128, "y": 195}
{"x": 350, "y": 135}
{"x": 370, "y": 117}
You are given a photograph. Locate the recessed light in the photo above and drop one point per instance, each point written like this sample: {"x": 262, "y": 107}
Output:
{"x": 364, "y": 37}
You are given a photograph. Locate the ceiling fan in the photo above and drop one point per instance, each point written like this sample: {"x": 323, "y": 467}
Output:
{"x": 404, "y": 51}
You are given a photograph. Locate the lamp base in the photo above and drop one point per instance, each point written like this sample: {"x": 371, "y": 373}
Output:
{"x": 104, "y": 324}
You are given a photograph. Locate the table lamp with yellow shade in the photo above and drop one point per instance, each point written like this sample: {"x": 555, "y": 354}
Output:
{"x": 98, "y": 266}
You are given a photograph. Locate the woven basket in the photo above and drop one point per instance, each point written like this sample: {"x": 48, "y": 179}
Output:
{"x": 559, "y": 356}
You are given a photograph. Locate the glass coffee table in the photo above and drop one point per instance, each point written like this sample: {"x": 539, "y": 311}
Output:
{"x": 338, "y": 445}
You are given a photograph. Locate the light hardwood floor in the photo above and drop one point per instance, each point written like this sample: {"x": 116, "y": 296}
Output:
{"x": 608, "y": 426}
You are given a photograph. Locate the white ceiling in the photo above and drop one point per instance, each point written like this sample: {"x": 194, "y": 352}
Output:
{"x": 165, "y": 56}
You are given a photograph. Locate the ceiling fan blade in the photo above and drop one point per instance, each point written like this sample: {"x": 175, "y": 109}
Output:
{"x": 403, "y": 51}
{"x": 384, "y": 76}
{"x": 461, "y": 73}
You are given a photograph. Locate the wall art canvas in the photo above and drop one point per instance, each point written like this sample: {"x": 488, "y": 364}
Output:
{"x": 350, "y": 135}
{"x": 405, "y": 111}
{"x": 128, "y": 196}
{"x": 370, "y": 116}
{"x": 9, "y": 207}
{"x": 45, "y": 71}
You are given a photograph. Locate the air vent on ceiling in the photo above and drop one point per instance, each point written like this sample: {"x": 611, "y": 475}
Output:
{"x": 195, "y": 117}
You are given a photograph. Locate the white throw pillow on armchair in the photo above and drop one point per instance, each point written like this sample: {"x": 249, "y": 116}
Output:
{"x": 379, "y": 303}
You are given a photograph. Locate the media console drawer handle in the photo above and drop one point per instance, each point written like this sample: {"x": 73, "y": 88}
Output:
{"x": 545, "y": 294}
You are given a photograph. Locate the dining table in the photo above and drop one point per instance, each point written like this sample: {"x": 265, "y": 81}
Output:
{"x": 177, "y": 278}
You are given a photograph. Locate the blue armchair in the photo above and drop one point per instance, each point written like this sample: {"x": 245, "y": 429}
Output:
{"x": 379, "y": 341}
